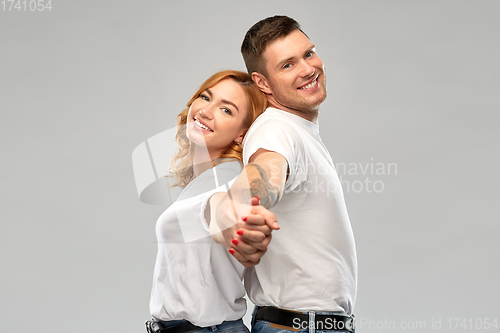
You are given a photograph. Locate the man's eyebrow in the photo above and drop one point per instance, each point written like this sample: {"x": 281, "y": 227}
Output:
{"x": 309, "y": 49}
{"x": 229, "y": 102}
{"x": 283, "y": 61}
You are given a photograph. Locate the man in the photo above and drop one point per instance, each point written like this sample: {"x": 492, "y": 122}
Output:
{"x": 307, "y": 278}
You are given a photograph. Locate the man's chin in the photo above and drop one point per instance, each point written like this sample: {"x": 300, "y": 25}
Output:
{"x": 314, "y": 103}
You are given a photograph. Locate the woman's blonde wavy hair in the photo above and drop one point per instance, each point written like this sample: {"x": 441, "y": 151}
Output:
{"x": 181, "y": 166}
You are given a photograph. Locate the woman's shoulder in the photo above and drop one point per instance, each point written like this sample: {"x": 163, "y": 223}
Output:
{"x": 227, "y": 161}
{"x": 227, "y": 169}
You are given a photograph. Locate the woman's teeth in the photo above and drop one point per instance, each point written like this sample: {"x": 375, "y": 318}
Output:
{"x": 197, "y": 122}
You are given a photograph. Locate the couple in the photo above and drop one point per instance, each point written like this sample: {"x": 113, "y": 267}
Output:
{"x": 301, "y": 274}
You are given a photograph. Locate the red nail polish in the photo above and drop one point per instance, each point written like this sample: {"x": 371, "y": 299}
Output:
{"x": 244, "y": 218}
{"x": 231, "y": 251}
{"x": 257, "y": 197}
{"x": 234, "y": 241}
{"x": 239, "y": 232}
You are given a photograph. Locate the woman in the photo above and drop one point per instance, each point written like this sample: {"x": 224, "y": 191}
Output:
{"x": 197, "y": 283}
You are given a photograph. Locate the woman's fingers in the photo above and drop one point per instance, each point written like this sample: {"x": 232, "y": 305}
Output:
{"x": 244, "y": 248}
{"x": 247, "y": 260}
{"x": 252, "y": 236}
{"x": 241, "y": 259}
{"x": 251, "y": 242}
{"x": 254, "y": 218}
{"x": 264, "y": 229}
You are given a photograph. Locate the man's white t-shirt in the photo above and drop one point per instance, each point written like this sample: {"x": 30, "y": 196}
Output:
{"x": 310, "y": 263}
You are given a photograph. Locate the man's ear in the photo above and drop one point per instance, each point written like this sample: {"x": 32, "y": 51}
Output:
{"x": 261, "y": 82}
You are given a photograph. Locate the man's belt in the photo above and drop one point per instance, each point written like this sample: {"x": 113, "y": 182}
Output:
{"x": 298, "y": 320}
{"x": 157, "y": 327}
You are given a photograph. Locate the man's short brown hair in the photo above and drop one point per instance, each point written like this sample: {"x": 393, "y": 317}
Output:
{"x": 259, "y": 35}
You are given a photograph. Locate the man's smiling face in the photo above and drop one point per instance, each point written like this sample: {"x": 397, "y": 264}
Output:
{"x": 296, "y": 79}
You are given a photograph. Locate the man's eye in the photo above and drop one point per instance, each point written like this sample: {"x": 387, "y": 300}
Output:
{"x": 309, "y": 54}
{"x": 287, "y": 65}
{"x": 227, "y": 111}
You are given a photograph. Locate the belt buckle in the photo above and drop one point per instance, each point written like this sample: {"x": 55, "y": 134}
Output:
{"x": 154, "y": 326}
{"x": 312, "y": 322}
{"x": 148, "y": 326}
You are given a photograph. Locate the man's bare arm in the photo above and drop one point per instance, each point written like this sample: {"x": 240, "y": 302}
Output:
{"x": 266, "y": 174}
{"x": 260, "y": 186}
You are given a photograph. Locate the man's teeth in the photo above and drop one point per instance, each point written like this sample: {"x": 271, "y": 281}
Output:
{"x": 310, "y": 85}
{"x": 197, "y": 122}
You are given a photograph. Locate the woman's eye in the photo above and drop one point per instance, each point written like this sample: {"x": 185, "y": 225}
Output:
{"x": 205, "y": 97}
{"x": 227, "y": 111}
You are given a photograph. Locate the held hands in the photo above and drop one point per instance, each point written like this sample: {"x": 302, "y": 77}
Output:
{"x": 253, "y": 235}
{"x": 248, "y": 238}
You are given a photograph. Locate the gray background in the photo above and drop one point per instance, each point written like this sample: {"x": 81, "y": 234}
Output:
{"x": 409, "y": 82}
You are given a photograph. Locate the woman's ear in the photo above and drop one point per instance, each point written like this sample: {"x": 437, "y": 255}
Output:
{"x": 261, "y": 82}
{"x": 239, "y": 139}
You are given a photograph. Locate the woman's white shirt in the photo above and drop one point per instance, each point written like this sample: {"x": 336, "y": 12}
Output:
{"x": 194, "y": 277}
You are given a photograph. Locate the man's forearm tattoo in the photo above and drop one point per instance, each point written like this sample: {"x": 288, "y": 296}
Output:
{"x": 268, "y": 194}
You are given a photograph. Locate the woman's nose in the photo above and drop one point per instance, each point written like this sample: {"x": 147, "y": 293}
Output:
{"x": 206, "y": 112}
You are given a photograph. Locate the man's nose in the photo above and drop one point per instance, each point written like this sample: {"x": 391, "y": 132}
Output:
{"x": 306, "y": 69}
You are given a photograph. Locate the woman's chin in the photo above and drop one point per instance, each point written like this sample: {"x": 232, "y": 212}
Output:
{"x": 196, "y": 137}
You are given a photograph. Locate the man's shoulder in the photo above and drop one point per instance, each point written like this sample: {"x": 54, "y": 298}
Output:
{"x": 274, "y": 119}
{"x": 273, "y": 131}
{"x": 272, "y": 112}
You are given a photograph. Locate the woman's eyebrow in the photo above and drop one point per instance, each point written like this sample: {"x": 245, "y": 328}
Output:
{"x": 229, "y": 102}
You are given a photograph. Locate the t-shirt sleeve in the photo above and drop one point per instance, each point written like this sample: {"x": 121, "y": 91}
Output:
{"x": 225, "y": 175}
{"x": 280, "y": 137}
{"x": 190, "y": 208}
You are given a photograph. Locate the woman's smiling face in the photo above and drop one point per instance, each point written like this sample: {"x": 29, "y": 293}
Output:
{"x": 216, "y": 116}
